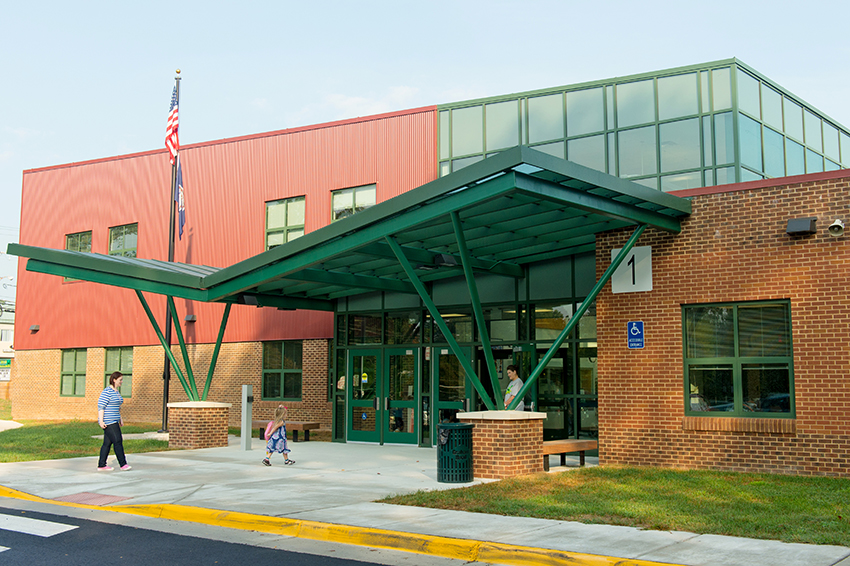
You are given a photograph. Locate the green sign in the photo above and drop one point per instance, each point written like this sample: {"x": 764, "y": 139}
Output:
{"x": 5, "y": 363}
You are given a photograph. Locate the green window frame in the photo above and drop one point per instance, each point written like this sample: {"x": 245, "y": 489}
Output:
{"x": 123, "y": 240}
{"x": 73, "y": 373}
{"x": 284, "y": 221}
{"x": 120, "y": 359}
{"x": 282, "y": 370}
{"x": 346, "y": 202}
{"x": 738, "y": 360}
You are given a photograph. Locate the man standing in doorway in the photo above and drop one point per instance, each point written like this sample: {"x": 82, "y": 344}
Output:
{"x": 513, "y": 388}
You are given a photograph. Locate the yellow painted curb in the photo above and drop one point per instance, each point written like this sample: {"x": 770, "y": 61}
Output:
{"x": 460, "y": 549}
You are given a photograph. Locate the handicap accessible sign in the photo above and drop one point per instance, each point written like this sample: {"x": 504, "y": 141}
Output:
{"x": 634, "y": 334}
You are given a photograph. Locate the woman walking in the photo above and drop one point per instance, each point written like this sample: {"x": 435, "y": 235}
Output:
{"x": 109, "y": 419}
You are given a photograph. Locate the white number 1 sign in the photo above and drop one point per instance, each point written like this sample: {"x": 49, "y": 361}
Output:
{"x": 635, "y": 273}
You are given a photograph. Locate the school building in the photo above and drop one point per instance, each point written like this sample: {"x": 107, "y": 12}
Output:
{"x": 662, "y": 255}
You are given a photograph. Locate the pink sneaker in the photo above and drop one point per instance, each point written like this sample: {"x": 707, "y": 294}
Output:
{"x": 126, "y": 467}
{"x": 105, "y": 469}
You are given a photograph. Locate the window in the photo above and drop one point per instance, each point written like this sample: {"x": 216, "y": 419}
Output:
{"x": 123, "y": 240}
{"x": 120, "y": 359}
{"x": 282, "y": 370}
{"x": 738, "y": 359}
{"x": 7, "y": 335}
{"x": 346, "y": 202}
{"x": 79, "y": 242}
{"x": 284, "y": 221}
{"x": 73, "y": 383}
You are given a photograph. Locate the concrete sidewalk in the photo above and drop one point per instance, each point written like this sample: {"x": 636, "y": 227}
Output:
{"x": 328, "y": 495}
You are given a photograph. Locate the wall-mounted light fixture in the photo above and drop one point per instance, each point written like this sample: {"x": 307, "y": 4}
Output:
{"x": 836, "y": 229}
{"x": 34, "y": 328}
{"x": 801, "y": 226}
{"x": 190, "y": 318}
{"x": 445, "y": 260}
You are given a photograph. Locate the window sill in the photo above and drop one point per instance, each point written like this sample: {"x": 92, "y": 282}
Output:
{"x": 733, "y": 424}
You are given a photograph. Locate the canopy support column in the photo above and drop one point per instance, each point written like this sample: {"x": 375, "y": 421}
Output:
{"x": 183, "y": 350}
{"x": 432, "y": 308}
{"x": 189, "y": 393}
{"x": 538, "y": 370}
{"x": 466, "y": 260}
{"x": 214, "y": 359}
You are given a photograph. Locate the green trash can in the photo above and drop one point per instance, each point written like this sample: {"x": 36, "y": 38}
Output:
{"x": 454, "y": 452}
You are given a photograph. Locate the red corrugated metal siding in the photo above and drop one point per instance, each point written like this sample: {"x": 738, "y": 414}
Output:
{"x": 227, "y": 185}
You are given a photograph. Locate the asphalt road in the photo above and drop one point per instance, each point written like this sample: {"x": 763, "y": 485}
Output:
{"x": 34, "y": 534}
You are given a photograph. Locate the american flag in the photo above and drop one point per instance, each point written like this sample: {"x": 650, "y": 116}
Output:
{"x": 172, "y": 142}
{"x": 179, "y": 198}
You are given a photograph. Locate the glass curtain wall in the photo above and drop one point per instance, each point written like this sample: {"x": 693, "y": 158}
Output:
{"x": 678, "y": 129}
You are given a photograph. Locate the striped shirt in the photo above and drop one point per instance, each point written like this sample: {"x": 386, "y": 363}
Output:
{"x": 110, "y": 403}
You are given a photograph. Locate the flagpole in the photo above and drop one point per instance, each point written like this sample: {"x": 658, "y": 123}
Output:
{"x": 166, "y": 372}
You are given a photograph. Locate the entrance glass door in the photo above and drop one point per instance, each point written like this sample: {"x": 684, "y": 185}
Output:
{"x": 364, "y": 394}
{"x": 399, "y": 424}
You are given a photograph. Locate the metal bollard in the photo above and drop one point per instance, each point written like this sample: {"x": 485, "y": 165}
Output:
{"x": 247, "y": 412}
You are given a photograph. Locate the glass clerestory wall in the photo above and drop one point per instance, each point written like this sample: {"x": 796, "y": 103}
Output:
{"x": 682, "y": 128}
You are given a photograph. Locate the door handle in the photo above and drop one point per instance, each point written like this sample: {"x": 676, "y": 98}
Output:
{"x": 386, "y": 403}
{"x": 375, "y": 403}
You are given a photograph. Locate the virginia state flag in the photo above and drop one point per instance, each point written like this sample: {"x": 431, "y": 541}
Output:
{"x": 179, "y": 198}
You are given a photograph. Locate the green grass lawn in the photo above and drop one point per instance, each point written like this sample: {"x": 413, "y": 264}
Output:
{"x": 788, "y": 508}
{"x": 39, "y": 440}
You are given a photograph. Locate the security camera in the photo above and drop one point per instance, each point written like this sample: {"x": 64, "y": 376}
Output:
{"x": 836, "y": 229}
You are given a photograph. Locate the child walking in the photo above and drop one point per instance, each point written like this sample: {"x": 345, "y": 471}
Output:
{"x": 276, "y": 436}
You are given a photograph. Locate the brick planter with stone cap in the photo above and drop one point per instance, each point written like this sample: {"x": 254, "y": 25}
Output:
{"x": 197, "y": 424}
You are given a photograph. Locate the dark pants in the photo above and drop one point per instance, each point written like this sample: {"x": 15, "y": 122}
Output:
{"x": 112, "y": 437}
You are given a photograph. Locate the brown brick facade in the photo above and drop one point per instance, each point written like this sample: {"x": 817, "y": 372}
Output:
{"x": 238, "y": 364}
{"x": 733, "y": 248}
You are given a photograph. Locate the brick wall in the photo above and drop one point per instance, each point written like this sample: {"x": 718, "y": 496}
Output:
{"x": 35, "y": 387}
{"x": 732, "y": 248}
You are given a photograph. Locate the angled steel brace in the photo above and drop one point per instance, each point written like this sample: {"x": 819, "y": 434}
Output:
{"x": 214, "y": 359}
{"x": 465, "y": 258}
{"x": 432, "y": 308}
{"x": 189, "y": 393}
{"x": 577, "y": 316}
{"x": 190, "y": 375}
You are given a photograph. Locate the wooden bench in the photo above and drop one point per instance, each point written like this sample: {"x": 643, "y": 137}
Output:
{"x": 292, "y": 426}
{"x": 564, "y": 446}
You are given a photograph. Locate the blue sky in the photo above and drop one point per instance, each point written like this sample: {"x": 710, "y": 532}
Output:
{"x": 93, "y": 79}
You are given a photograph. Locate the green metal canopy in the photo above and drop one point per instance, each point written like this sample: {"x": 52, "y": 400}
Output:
{"x": 518, "y": 207}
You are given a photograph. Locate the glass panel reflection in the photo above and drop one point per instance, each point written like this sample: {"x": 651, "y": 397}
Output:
{"x": 813, "y": 132}
{"x": 724, "y": 141}
{"x": 681, "y": 181}
{"x": 795, "y": 160}
{"x": 550, "y": 320}
{"x": 589, "y": 152}
{"x": 709, "y": 332}
{"x": 793, "y": 119}
{"x": 830, "y": 140}
{"x": 721, "y": 88}
{"x": 545, "y": 118}
{"x": 363, "y": 419}
{"x": 502, "y": 125}
{"x": 680, "y": 147}
{"x": 748, "y": 95}
{"x": 711, "y": 388}
{"x": 771, "y": 107}
{"x": 467, "y": 130}
{"x": 585, "y": 112}
{"x": 635, "y": 103}
{"x": 749, "y": 133}
{"x": 774, "y": 156}
{"x": 767, "y": 388}
{"x": 677, "y": 96}
{"x": 814, "y": 162}
{"x": 637, "y": 152}
{"x": 451, "y": 378}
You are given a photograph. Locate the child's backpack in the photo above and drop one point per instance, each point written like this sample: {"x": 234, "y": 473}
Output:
{"x": 268, "y": 430}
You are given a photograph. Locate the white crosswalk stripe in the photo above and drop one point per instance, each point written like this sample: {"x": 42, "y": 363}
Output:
{"x": 29, "y": 526}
